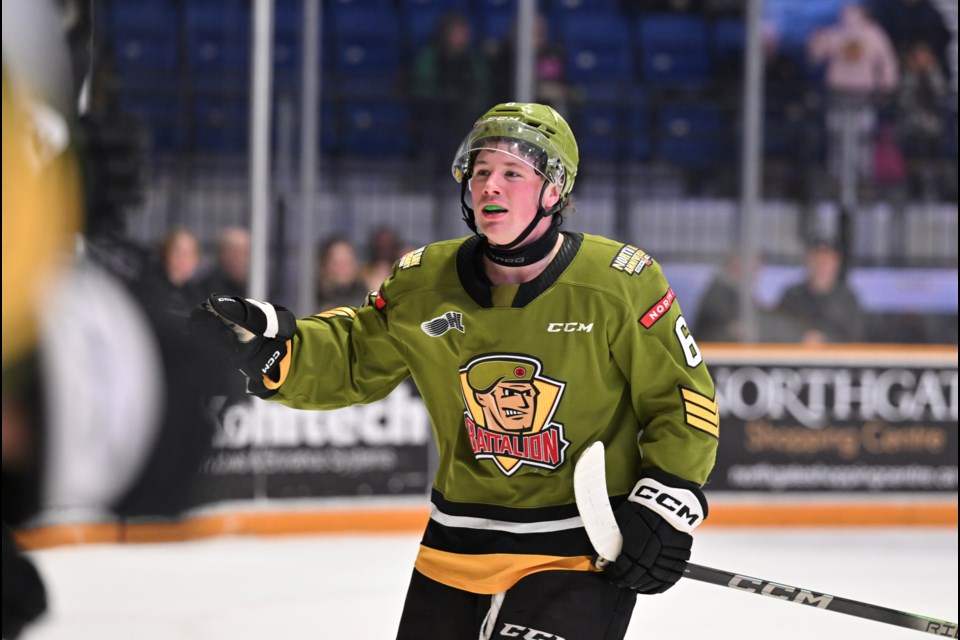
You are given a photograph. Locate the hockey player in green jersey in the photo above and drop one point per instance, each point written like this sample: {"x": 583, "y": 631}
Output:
{"x": 527, "y": 343}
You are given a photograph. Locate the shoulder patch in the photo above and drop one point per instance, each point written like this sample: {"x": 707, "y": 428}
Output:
{"x": 700, "y": 411}
{"x": 411, "y": 259}
{"x": 658, "y": 309}
{"x": 631, "y": 260}
{"x": 376, "y": 300}
{"x": 338, "y": 312}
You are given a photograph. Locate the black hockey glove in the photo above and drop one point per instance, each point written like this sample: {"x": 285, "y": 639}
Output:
{"x": 656, "y": 521}
{"x": 253, "y": 336}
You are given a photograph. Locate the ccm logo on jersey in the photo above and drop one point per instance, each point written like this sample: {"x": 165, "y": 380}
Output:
{"x": 679, "y": 507}
{"x": 511, "y": 630}
{"x": 658, "y": 310}
{"x": 569, "y": 327}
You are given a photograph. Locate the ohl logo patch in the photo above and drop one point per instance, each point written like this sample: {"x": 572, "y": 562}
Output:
{"x": 509, "y": 412}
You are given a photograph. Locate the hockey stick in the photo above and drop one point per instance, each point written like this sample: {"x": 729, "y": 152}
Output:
{"x": 590, "y": 486}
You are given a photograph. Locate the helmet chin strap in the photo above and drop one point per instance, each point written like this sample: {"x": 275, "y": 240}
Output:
{"x": 510, "y": 255}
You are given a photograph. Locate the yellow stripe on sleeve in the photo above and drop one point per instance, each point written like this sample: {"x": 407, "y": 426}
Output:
{"x": 701, "y": 412}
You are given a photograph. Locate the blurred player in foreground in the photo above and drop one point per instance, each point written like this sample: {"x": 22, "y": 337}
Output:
{"x": 102, "y": 414}
{"x": 527, "y": 343}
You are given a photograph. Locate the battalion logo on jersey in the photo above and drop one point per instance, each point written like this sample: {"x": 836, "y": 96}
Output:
{"x": 631, "y": 260}
{"x": 411, "y": 259}
{"x": 509, "y": 412}
{"x": 441, "y": 324}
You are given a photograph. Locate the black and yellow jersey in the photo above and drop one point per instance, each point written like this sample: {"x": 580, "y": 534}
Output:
{"x": 517, "y": 381}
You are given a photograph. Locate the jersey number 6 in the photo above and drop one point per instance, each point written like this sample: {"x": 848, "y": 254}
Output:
{"x": 688, "y": 345}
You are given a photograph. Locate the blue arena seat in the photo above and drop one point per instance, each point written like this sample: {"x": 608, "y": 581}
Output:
{"x": 673, "y": 49}
{"x": 287, "y": 32}
{"x": 639, "y": 125}
{"x": 217, "y": 35}
{"x": 221, "y": 122}
{"x": 599, "y": 128}
{"x": 566, "y": 7}
{"x": 365, "y": 46}
{"x": 692, "y": 135}
{"x": 143, "y": 35}
{"x": 419, "y": 19}
{"x": 375, "y": 129}
{"x": 727, "y": 40}
{"x": 158, "y": 109}
{"x": 367, "y": 5}
{"x": 597, "y": 46}
{"x": 493, "y": 21}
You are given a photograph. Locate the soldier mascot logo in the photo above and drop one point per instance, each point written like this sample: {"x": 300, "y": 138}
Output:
{"x": 509, "y": 412}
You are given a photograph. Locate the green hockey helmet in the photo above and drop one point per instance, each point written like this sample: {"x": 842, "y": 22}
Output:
{"x": 533, "y": 133}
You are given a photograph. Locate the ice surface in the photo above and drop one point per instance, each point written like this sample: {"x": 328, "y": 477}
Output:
{"x": 342, "y": 586}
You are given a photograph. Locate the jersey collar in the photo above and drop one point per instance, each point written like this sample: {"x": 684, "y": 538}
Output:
{"x": 475, "y": 282}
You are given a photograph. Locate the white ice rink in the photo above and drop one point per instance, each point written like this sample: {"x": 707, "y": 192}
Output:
{"x": 353, "y": 586}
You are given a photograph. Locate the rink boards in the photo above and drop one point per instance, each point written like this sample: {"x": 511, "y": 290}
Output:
{"x": 830, "y": 436}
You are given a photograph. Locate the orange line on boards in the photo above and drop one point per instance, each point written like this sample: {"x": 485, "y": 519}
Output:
{"x": 270, "y": 523}
{"x": 841, "y": 514}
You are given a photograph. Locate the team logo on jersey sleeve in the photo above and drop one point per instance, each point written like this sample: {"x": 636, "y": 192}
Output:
{"x": 509, "y": 412}
{"x": 631, "y": 260}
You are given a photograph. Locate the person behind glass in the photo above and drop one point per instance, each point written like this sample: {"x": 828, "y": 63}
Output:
{"x": 527, "y": 344}
{"x": 232, "y": 270}
{"x": 550, "y": 72}
{"x": 920, "y": 114}
{"x": 383, "y": 247}
{"x": 451, "y": 83}
{"x": 718, "y": 316}
{"x": 909, "y": 21}
{"x": 338, "y": 275}
{"x": 169, "y": 284}
{"x": 861, "y": 75}
{"x": 823, "y": 306}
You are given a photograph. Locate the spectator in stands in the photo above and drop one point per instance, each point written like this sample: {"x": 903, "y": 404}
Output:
{"x": 718, "y": 317}
{"x": 550, "y": 72}
{"x": 451, "y": 84}
{"x": 823, "y": 306}
{"x": 169, "y": 284}
{"x": 909, "y": 21}
{"x": 920, "y": 122}
{"x": 861, "y": 74}
{"x": 858, "y": 54}
{"x": 232, "y": 270}
{"x": 338, "y": 275}
{"x": 383, "y": 248}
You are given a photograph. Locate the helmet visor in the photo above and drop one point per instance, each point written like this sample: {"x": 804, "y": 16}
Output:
{"x": 506, "y": 135}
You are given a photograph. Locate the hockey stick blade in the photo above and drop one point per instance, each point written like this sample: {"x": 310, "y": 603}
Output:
{"x": 590, "y": 487}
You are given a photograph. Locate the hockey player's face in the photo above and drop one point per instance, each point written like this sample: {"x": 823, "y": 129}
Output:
{"x": 505, "y": 191}
{"x": 509, "y": 406}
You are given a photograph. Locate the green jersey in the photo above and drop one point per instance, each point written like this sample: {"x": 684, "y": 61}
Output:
{"x": 517, "y": 381}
